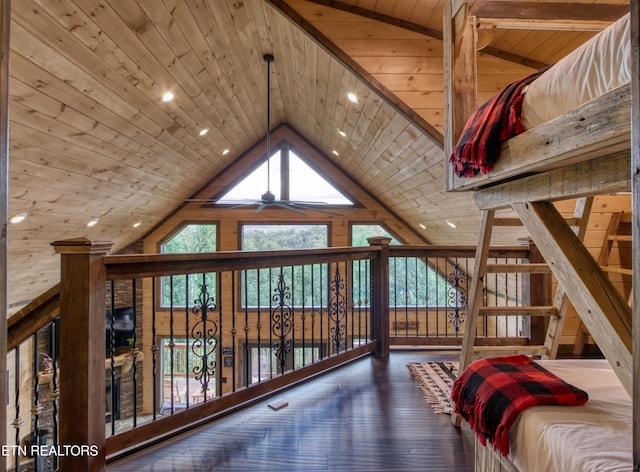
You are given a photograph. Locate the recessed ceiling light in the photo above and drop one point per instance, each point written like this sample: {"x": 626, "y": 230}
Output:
{"x": 352, "y": 96}
{"x": 342, "y": 133}
{"x": 452, "y": 224}
{"x": 422, "y": 226}
{"x": 167, "y": 97}
{"x": 137, "y": 223}
{"x": 225, "y": 152}
{"x": 335, "y": 152}
{"x": 203, "y": 131}
{"x": 18, "y": 218}
{"x": 92, "y": 223}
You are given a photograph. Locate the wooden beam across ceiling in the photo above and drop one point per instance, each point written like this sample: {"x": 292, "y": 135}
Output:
{"x": 430, "y": 32}
{"x": 547, "y": 15}
{"x": 397, "y": 104}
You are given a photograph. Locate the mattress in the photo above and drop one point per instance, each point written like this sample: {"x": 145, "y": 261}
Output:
{"x": 601, "y": 64}
{"x": 594, "y": 437}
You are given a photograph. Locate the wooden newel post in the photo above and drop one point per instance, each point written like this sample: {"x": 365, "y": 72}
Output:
{"x": 380, "y": 301}
{"x": 82, "y": 354}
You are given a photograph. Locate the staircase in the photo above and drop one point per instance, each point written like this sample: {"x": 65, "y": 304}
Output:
{"x": 618, "y": 236}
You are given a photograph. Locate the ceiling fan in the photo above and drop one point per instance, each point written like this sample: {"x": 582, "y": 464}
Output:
{"x": 268, "y": 199}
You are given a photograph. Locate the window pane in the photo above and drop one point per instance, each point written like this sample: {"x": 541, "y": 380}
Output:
{"x": 181, "y": 290}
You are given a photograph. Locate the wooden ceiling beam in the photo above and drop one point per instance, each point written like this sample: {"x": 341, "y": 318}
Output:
{"x": 547, "y": 15}
{"x": 392, "y": 99}
{"x": 430, "y": 32}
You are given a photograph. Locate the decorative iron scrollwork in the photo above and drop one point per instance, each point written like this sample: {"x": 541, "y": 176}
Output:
{"x": 457, "y": 282}
{"x": 337, "y": 308}
{"x": 204, "y": 333}
{"x": 281, "y": 322}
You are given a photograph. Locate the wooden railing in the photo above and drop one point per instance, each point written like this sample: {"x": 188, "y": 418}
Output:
{"x": 377, "y": 315}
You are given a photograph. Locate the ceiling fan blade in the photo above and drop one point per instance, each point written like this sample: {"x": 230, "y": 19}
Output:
{"x": 314, "y": 208}
{"x": 261, "y": 207}
{"x": 288, "y": 207}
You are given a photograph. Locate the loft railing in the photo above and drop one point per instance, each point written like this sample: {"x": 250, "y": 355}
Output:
{"x": 193, "y": 336}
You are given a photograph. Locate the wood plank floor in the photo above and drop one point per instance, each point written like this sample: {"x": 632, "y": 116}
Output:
{"x": 367, "y": 416}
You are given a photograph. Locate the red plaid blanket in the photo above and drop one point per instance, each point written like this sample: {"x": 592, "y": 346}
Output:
{"x": 491, "y": 393}
{"x": 487, "y": 128}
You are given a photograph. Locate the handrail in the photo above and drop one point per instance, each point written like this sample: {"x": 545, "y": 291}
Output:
{"x": 34, "y": 316}
{"x": 149, "y": 265}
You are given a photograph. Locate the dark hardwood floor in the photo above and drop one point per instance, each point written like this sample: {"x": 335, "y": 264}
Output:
{"x": 367, "y": 416}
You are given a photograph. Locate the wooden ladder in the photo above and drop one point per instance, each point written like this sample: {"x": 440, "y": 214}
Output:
{"x": 555, "y": 313}
{"x": 619, "y": 230}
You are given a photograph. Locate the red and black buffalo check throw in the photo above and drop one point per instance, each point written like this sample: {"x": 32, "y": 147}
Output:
{"x": 491, "y": 393}
{"x": 478, "y": 147}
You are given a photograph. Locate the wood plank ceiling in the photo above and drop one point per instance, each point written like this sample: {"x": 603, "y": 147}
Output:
{"x": 90, "y": 137}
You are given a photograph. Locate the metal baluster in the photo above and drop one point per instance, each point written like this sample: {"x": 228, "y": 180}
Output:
{"x": 154, "y": 350}
{"x": 293, "y": 319}
{"x": 303, "y": 317}
{"x": 53, "y": 392}
{"x": 112, "y": 354}
{"x": 233, "y": 332}
{"x": 426, "y": 297}
{"x": 259, "y": 326}
{"x": 134, "y": 355}
{"x": 247, "y": 353}
{"x": 17, "y": 421}
{"x": 36, "y": 407}
{"x": 171, "y": 347}
{"x": 187, "y": 367}
{"x": 313, "y": 315}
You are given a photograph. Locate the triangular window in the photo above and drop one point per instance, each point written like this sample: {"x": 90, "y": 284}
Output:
{"x": 300, "y": 183}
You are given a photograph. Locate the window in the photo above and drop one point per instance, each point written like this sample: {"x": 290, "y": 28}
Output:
{"x": 307, "y": 284}
{"x": 180, "y": 290}
{"x": 300, "y": 183}
{"x": 412, "y": 281}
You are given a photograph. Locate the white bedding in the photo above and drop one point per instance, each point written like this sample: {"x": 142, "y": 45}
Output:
{"x": 601, "y": 64}
{"x": 594, "y": 437}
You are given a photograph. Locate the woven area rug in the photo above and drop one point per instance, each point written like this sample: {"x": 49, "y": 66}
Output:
{"x": 435, "y": 380}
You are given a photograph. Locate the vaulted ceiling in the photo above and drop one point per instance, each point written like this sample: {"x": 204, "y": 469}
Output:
{"x": 90, "y": 137}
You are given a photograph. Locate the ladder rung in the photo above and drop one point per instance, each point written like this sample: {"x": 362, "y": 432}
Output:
{"x": 517, "y": 268}
{"x": 619, "y": 237}
{"x": 618, "y": 270}
{"x": 518, "y": 311}
{"x": 489, "y": 351}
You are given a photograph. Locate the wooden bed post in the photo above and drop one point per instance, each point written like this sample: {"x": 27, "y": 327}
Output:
{"x": 460, "y": 64}
{"x": 635, "y": 225}
{"x": 5, "y": 21}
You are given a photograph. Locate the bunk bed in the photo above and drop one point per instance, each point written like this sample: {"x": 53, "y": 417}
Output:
{"x": 581, "y": 148}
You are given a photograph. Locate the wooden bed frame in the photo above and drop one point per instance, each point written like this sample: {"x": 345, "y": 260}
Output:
{"x": 585, "y": 152}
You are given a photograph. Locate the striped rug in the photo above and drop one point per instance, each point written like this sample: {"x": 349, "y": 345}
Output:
{"x": 435, "y": 380}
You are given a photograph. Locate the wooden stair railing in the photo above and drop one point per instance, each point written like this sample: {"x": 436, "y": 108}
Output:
{"x": 34, "y": 316}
